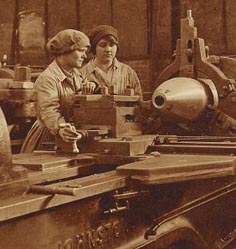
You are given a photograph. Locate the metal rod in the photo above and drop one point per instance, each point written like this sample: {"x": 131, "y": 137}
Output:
{"x": 196, "y": 138}
{"x": 52, "y": 190}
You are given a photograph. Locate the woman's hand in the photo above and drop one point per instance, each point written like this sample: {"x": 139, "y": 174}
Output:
{"x": 68, "y": 133}
{"x": 89, "y": 87}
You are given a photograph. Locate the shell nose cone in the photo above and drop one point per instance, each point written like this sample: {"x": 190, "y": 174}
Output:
{"x": 181, "y": 99}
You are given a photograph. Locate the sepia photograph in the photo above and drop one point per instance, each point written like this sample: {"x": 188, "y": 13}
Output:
{"x": 117, "y": 124}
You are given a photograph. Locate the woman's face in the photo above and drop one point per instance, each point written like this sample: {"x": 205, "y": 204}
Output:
{"x": 106, "y": 51}
{"x": 76, "y": 57}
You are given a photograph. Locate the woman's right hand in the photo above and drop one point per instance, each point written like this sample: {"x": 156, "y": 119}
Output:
{"x": 68, "y": 133}
{"x": 89, "y": 87}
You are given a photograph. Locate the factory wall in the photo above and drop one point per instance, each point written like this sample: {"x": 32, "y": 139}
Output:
{"x": 148, "y": 28}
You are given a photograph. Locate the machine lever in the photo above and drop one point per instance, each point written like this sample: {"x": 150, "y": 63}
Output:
{"x": 118, "y": 208}
{"x": 79, "y": 137}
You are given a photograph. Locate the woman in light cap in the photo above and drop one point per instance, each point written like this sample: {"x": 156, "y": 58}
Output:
{"x": 104, "y": 68}
{"x": 55, "y": 89}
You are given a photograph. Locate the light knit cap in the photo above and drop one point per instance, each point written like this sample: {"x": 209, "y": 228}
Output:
{"x": 66, "y": 41}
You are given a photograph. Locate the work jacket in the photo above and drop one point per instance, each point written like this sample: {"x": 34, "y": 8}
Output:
{"x": 122, "y": 75}
{"x": 55, "y": 99}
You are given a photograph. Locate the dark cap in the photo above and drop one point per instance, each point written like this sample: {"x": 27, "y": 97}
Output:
{"x": 97, "y": 33}
{"x": 66, "y": 41}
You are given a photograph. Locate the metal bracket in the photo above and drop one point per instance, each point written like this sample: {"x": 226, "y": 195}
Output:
{"x": 121, "y": 200}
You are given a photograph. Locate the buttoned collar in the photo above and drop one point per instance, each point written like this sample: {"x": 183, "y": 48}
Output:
{"x": 59, "y": 73}
{"x": 116, "y": 63}
{"x": 54, "y": 67}
{"x": 92, "y": 67}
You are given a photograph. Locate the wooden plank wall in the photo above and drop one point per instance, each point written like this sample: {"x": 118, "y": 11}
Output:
{"x": 61, "y": 15}
{"x": 6, "y": 28}
{"x": 161, "y": 51}
{"x": 94, "y": 13}
{"x": 230, "y": 26}
{"x": 215, "y": 20}
{"x": 210, "y": 18}
{"x": 130, "y": 17}
{"x": 31, "y": 32}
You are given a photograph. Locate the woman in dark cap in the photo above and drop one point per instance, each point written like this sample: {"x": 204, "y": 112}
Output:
{"x": 55, "y": 89}
{"x": 104, "y": 68}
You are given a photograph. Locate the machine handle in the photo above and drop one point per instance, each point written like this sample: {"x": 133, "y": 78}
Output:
{"x": 53, "y": 190}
